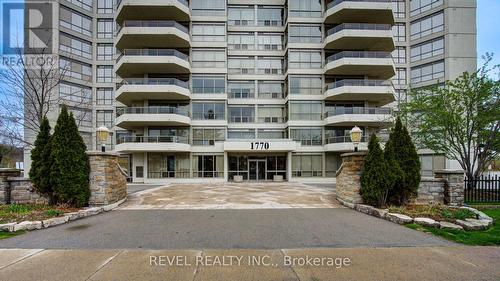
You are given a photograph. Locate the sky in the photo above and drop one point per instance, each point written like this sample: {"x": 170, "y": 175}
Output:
{"x": 488, "y": 29}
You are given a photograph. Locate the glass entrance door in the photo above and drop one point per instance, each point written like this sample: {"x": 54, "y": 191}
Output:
{"x": 257, "y": 169}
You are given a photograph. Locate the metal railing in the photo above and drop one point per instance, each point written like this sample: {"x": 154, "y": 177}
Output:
{"x": 272, "y": 119}
{"x": 183, "y": 2}
{"x": 485, "y": 189}
{"x": 152, "y": 139}
{"x": 347, "y": 139}
{"x": 153, "y": 53}
{"x": 153, "y": 81}
{"x": 153, "y": 23}
{"x": 208, "y": 174}
{"x": 358, "y": 54}
{"x": 168, "y": 174}
{"x": 208, "y": 116}
{"x": 152, "y": 110}
{"x": 356, "y": 110}
{"x": 242, "y": 119}
{"x": 336, "y": 2}
{"x": 357, "y": 83}
{"x": 272, "y": 95}
{"x": 358, "y": 26}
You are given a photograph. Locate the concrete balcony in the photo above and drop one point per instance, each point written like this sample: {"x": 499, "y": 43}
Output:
{"x": 139, "y": 89}
{"x": 130, "y": 117}
{"x": 372, "y": 11}
{"x": 177, "y": 10}
{"x": 157, "y": 34}
{"x": 373, "y": 64}
{"x": 134, "y": 62}
{"x": 376, "y": 91}
{"x": 344, "y": 144}
{"x": 360, "y": 36}
{"x": 360, "y": 116}
{"x": 131, "y": 144}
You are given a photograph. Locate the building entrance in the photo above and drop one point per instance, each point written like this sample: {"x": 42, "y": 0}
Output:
{"x": 257, "y": 169}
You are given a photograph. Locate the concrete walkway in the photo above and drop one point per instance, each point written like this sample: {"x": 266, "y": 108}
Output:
{"x": 427, "y": 263}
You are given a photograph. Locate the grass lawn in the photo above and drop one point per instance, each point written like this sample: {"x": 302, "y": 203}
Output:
{"x": 31, "y": 212}
{"x": 489, "y": 237}
{"x": 5, "y": 235}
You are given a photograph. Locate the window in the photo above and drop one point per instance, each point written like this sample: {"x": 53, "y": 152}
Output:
{"x": 104, "y": 6}
{"x": 420, "y": 6}
{"x": 84, "y": 4}
{"x": 75, "y": 94}
{"x": 208, "y": 58}
{"x": 105, "y": 51}
{"x": 208, "y": 7}
{"x": 271, "y": 90}
{"x": 307, "y": 165}
{"x": 208, "y": 166}
{"x": 104, "y": 118}
{"x": 87, "y": 139}
{"x": 168, "y": 165}
{"x": 172, "y": 134}
{"x": 241, "y": 15}
{"x": 75, "y": 46}
{"x": 243, "y": 114}
{"x": 75, "y": 69}
{"x": 305, "y": 110}
{"x": 401, "y": 95}
{"x": 241, "y": 65}
{"x": 139, "y": 171}
{"x": 307, "y": 136}
{"x": 430, "y": 163}
{"x": 305, "y": 85}
{"x": 209, "y": 111}
{"x": 241, "y": 89}
{"x": 208, "y": 136}
{"x": 304, "y": 8}
{"x": 271, "y": 134}
{"x": 104, "y": 96}
{"x": 271, "y": 114}
{"x": 427, "y": 49}
{"x": 269, "y": 16}
{"x": 399, "y": 55}
{"x": 304, "y": 33}
{"x": 427, "y": 26}
{"x": 83, "y": 117}
{"x": 105, "y": 28}
{"x": 75, "y": 21}
{"x": 270, "y": 41}
{"x": 270, "y": 65}
{"x": 400, "y": 78}
{"x": 241, "y": 134}
{"x": 105, "y": 73}
{"x": 399, "y": 32}
{"x": 426, "y": 72}
{"x": 241, "y": 41}
{"x": 304, "y": 59}
{"x": 206, "y": 84}
{"x": 399, "y": 8}
{"x": 209, "y": 32}
{"x": 340, "y": 134}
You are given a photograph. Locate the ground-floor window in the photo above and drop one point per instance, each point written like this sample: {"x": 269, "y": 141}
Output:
{"x": 208, "y": 166}
{"x": 332, "y": 164}
{"x": 168, "y": 165}
{"x": 307, "y": 165}
{"x": 256, "y": 167}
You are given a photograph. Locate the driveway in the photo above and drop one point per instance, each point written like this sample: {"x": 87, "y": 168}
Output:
{"x": 247, "y": 195}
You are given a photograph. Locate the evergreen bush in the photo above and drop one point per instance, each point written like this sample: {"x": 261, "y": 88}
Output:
{"x": 374, "y": 184}
{"x": 41, "y": 162}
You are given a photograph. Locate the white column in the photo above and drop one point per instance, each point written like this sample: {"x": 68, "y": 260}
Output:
{"x": 226, "y": 165}
{"x": 289, "y": 166}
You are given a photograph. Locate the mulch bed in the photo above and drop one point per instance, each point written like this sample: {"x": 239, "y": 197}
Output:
{"x": 21, "y": 212}
{"x": 435, "y": 212}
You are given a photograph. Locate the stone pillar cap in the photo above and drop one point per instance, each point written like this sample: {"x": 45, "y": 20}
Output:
{"x": 449, "y": 171}
{"x": 358, "y": 153}
{"x": 9, "y": 170}
{"x": 100, "y": 153}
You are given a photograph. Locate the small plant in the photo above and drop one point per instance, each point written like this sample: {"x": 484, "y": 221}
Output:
{"x": 18, "y": 209}
{"x": 462, "y": 214}
{"x": 53, "y": 213}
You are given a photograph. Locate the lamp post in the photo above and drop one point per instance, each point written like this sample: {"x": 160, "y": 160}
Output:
{"x": 102, "y": 135}
{"x": 356, "y": 134}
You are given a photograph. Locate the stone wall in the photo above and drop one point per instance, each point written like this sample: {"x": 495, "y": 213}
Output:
{"x": 454, "y": 186}
{"x": 108, "y": 181}
{"x": 430, "y": 191}
{"x": 348, "y": 177}
{"x": 5, "y": 184}
{"x": 23, "y": 192}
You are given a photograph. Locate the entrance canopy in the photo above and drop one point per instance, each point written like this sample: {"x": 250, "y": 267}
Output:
{"x": 260, "y": 146}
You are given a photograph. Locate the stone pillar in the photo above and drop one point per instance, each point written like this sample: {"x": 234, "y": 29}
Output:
{"x": 5, "y": 184}
{"x": 108, "y": 181}
{"x": 349, "y": 178}
{"x": 454, "y": 186}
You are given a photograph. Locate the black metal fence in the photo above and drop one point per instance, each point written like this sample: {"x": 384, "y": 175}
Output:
{"x": 485, "y": 189}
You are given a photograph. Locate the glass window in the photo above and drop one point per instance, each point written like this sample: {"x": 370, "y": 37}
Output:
{"x": 399, "y": 8}
{"x": 75, "y": 69}
{"x": 241, "y": 114}
{"x": 208, "y": 58}
{"x": 75, "y": 94}
{"x": 304, "y": 59}
{"x": 305, "y": 85}
{"x": 304, "y": 8}
{"x": 75, "y": 21}
{"x": 208, "y": 7}
{"x": 271, "y": 134}
{"x": 105, "y": 28}
{"x": 310, "y": 33}
{"x": 241, "y": 89}
{"x": 271, "y": 114}
{"x": 270, "y": 41}
{"x": 104, "y": 118}
{"x": 427, "y": 49}
{"x": 248, "y": 134}
{"x": 399, "y": 32}
{"x": 241, "y": 65}
{"x": 241, "y": 41}
{"x": 271, "y": 90}
{"x": 270, "y": 65}
{"x": 241, "y": 15}
{"x": 208, "y": 136}
{"x": 307, "y": 136}
{"x": 85, "y": 4}
{"x": 307, "y": 165}
{"x": 426, "y": 26}
{"x": 426, "y": 72}
{"x": 305, "y": 110}
{"x": 75, "y": 46}
{"x": 207, "y": 84}
{"x": 83, "y": 117}
{"x": 105, "y": 6}
{"x": 105, "y": 96}
{"x": 400, "y": 78}
{"x": 399, "y": 55}
{"x": 105, "y": 51}
{"x": 208, "y": 32}
{"x": 105, "y": 73}
{"x": 208, "y": 166}
{"x": 168, "y": 165}
{"x": 269, "y": 16}
{"x": 209, "y": 111}
{"x": 419, "y": 6}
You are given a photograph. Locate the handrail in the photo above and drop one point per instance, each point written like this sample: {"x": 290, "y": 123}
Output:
{"x": 356, "y": 110}
{"x": 358, "y": 54}
{"x": 358, "y": 26}
{"x": 336, "y": 2}
{"x": 357, "y": 82}
{"x": 152, "y": 139}
{"x": 153, "y": 23}
{"x": 153, "y": 81}
{"x": 153, "y": 52}
{"x": 152, "y": 110}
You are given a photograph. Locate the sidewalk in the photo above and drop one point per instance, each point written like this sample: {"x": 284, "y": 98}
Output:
{"x": 413, "y": 263}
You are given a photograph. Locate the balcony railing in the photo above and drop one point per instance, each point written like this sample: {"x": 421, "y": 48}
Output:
{"x": 272, "y": 119}
{"x": 336, "y": 2}
{"x": 358, "y": 26}
{"x": 168, "y": 174}
{"x": 272, "y": 95}
{"x": 357, "y": 83}
{"x": 356, "y": 110}
{"x": 183, "y": 2}
{"x": 347, "y": 139}
{"x": 153, "y": 81}
{"x": 151, "y": 139}
{"x": 153, "y": 53}
{"x": 152, "y": 110}
{"x": 154, "y": 23}
{"x": 242, "y": 119}
{"x": 358, "y": 54}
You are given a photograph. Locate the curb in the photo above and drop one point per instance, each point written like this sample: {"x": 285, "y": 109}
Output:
{"x": 68, "y": 217}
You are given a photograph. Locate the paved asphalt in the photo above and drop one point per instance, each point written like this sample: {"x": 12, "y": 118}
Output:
{"x": 224, "y": 229}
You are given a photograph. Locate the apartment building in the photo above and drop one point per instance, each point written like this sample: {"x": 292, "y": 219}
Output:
{"x": 207, "y": 90}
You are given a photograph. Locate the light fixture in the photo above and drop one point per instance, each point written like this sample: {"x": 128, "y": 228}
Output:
{"x": 103, "y": 135}
{"x": 356, "y": 134}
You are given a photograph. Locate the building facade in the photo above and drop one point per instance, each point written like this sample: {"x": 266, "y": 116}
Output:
{"x": 209, "y": 89}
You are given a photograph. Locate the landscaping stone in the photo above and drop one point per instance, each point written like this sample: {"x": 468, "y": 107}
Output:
{"x": 365, "y": 209}
{"x": 73, "y": 216}
{"x": 7, "y": 227}
{"x": 90, "y": 211}
{"x": 398, "y": 218}
{"x": 55, "y": 221}
{"x": 426, "y": 222}
{"x": 486, "y": 223}
{"x": 469, "y": 225}
{"x": 381, "y": 213}
{"x": 449, "y": 225}
{"x": 28, "y": 225}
